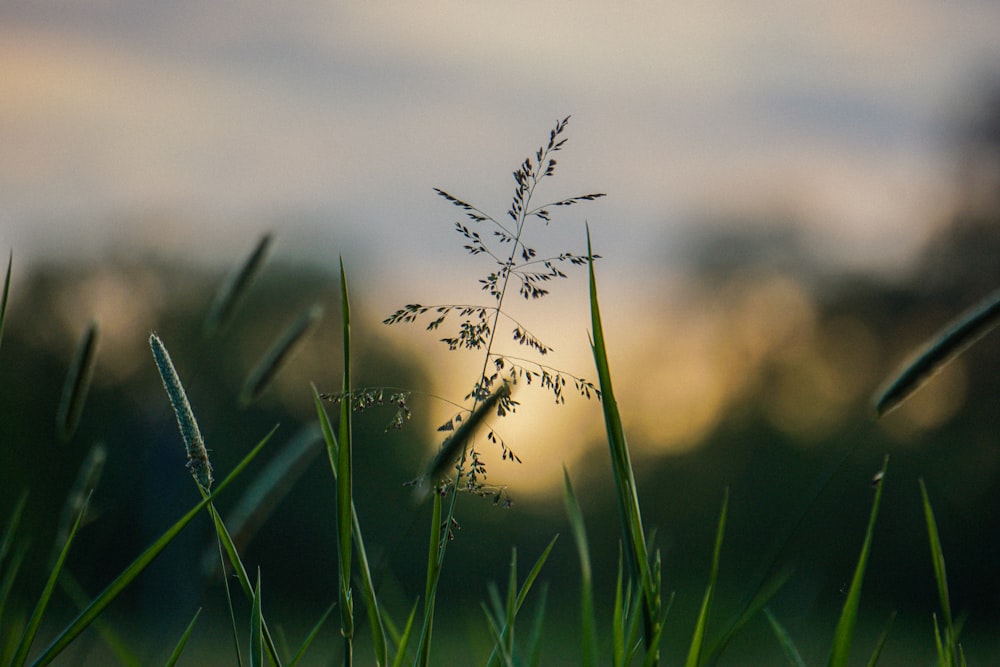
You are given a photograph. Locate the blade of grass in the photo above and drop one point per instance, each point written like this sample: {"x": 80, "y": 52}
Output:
{"x": 535, "y": 642}
{"x": 951, "y": 341}
{"x": 455, "y": 445}
{"x": 694, "y": 658}
{"x": 10, "y": 567}
{"x": 767, "y": 591}
{"x": 404, "y": 638}
{"x": 271, "y": 363}
{"x": 516, "y": 597}
{"x": 35, "y": 620}
{"x": 375, "y": 617}
{"x": 123, "y": 580}
{"x": 877, "y": 653}
{"x": 233, "y": 291}
{"x": 226, "y": 541}
{"x": 940, "y": 578}
{"x": 77, "y": 383}
{"x": 345, "y": 497}
{"x": 307, "y": 642}
{"x": 75, "y": 592}
{"x": 182, "y": 642}
{"x": 430, "y": 584}
{"x": 6, "y": 294}
{"x": 256, "y": 627}
{"x": 787, "y": 645}
{"x": 621, "y": 465}
{"x": 849, "y": 614}
{"x": 588, "y": 626}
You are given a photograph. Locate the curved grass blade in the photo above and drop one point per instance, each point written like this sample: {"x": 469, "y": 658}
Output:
{"x": 86, "y": 481}
{"x": 35, "y": 621}
{"x": 123, "y": 580}
{"x": 256, "y": 624}
{"x": 958, "y": 335}
{"x": 849, "y": 614}
{"x": 77, "y": 384}
{"x": 182, "y": 642}
{"x": 6, "y": 293}
{"x": 232, "y": 292}
{"x": 588, "y": 626}
{"x": 694, "y": 658}
{"x": 307, "y": 642}
{"x": 767, "y": 591}
{"x": 636, "y": 553}
{"x": 267, "y": 368}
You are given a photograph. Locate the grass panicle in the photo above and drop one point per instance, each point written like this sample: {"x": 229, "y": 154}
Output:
{"x": 271, "y": 363}
{"x": 951, "y": 341}
{"x": 233, "y": 291}
{"x": 197, "y": 456}
{"x": 77, "y": 384}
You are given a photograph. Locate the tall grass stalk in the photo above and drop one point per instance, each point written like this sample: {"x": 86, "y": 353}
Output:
{"x": 641, "y": 574}
{"x": 345, "y": 497}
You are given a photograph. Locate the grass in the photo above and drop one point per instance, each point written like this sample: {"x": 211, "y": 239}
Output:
{"x": 640, "y": 607}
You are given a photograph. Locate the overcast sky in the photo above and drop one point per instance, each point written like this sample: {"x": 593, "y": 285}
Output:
{"x": 196, "y": 123}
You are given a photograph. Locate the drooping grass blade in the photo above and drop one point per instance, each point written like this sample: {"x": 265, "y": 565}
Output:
{"x": 232, "y": 292}
{"x": 958, "y": 335}
{"x": 844, "y": 633}
{"x": 77, "y": 383}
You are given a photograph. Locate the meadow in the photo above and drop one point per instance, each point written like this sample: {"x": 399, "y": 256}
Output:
{"x": 617, "y": 595}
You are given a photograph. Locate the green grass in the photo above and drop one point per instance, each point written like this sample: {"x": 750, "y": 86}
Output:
{"x": 640, "y": 608}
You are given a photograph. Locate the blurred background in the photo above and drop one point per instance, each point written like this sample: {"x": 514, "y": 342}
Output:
{"x": 797, "y": 198}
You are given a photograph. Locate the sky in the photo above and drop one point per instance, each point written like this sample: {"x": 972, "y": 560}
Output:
{"x": 186, "y": 129}
{"x": 172, "y": 125}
